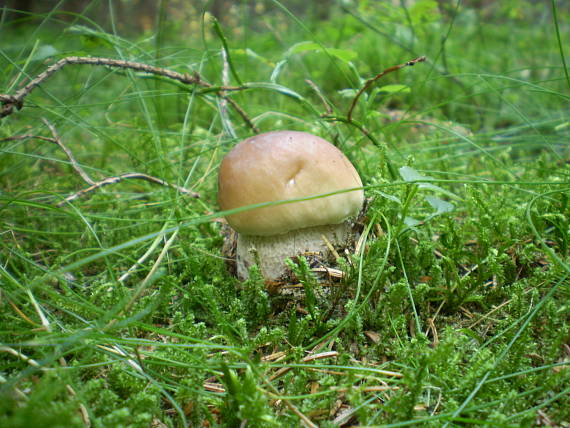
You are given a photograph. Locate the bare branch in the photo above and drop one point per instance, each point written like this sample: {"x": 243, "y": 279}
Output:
{"x": 94, "y": 185}
{"x": 57, "y": 141}
{"x": 243, "y": 115}
{"x": 9, "y": 103}
{"x": 126, "y": 176}
{"x": 373, "y": 80}
{"x": 74, "y": 163}
{"x": 26, "y": 137}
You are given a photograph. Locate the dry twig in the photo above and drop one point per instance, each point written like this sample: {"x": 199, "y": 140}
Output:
{"x": 242, "y": 113}
{"x": 16, "y": 101}
{"x": 373, "y": 80}
{"x": 126, "y": 176}
{"x": 94, "y": 185}
{"x": 74, "y": 163}
{"x": 10, "y": 103}
{"x": 57, "y": 141}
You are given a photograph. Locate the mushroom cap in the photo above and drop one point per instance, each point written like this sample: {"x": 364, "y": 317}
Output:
{"x": 286, "y": 165}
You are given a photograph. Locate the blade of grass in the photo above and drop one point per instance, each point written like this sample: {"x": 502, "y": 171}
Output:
{"x": 559, "y": 38}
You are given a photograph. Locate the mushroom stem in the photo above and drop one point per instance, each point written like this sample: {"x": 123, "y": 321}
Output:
{"x": 270, "y": 252}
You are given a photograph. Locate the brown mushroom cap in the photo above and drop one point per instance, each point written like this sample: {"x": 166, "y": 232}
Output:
{"x": 286, "y": 165}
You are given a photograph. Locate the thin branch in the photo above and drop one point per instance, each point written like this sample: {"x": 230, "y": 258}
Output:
{"x": 243, "y": 114}
{"x": 127, "y": 176}
{"x": 373, "y": 80}
{"x": 55, "y": 140}
{"x": 94, "y": 185}
{"x": 74, "y": 163}
{"x": 368, "y": 135}
{"x": 9, "y": 103}
{"x": 27, "y": 137}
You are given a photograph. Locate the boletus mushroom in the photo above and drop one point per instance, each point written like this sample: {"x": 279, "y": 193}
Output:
{"x": 284, "y": 165}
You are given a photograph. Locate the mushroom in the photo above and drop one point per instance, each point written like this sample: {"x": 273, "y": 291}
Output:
{"x": 284, "y": 165}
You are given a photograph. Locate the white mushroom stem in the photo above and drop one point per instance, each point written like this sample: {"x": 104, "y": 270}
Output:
{"x": 270, "y": 252}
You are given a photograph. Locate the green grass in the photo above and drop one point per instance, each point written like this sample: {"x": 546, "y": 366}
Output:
{"x": 453, "y": 313}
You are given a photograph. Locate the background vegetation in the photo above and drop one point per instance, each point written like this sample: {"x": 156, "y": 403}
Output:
{"x": 116, "y": 308}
